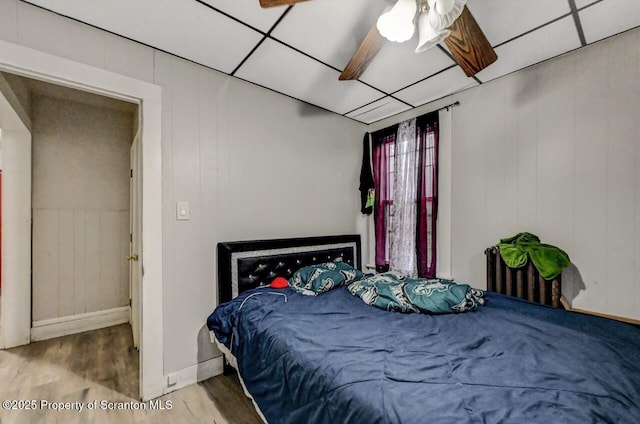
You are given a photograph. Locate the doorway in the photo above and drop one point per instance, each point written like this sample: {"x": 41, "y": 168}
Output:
{"x": 80, "y": 208}
{"x": 30, "y": 63}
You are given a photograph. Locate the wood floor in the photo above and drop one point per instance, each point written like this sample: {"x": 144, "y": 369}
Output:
{"x": 101, "y": 366}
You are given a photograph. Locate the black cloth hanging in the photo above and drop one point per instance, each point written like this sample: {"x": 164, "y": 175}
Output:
{"x": 367, "y": 184}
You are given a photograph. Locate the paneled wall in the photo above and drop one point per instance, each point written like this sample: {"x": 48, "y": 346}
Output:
{"x": 251, "y": 163}
{"x": 555, "y": 150}
{"x": 80, "y": 205}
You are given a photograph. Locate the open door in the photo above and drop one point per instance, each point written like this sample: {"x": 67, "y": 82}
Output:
{"x": 135, "y": 263}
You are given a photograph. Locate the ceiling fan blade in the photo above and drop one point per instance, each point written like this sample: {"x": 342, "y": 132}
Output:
{"x": 363, "y": 56}
{"x": 468, "y": 45}
{"x": 272, "y": 3}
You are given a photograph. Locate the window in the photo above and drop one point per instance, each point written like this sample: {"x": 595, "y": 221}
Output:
{"x": 405, "y": 174}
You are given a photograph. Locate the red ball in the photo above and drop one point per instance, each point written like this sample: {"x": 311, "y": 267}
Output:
{"x": 279, "y": 283}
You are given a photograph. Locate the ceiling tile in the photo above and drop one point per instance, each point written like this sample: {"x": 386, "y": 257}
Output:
{"x": 278, "y": 67}
{"x": 502, "y": 20}
{"x": 378, "y": 110}
{"x": 608, "y": 18}
{"x": 582, "y": 3}
{"x": 249, "y": 11}
{"x": 212, "y": 33}
{"x": 329, "y": 30}
{"x": 443, "y": 84}
{"x": 397, "y": 65}
{"x": 547, "y": 42}
{"x": 200, "y": 34}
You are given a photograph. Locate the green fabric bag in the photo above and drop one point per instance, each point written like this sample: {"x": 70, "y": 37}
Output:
{"x": 549, "y": 260}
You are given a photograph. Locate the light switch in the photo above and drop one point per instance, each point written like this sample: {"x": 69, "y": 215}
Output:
{"x": 182, "y": 211}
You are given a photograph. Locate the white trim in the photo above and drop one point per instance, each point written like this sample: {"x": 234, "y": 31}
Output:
{"x": 36, "y": 64}
{"x": 195, "y": 374}
{"x": 16, "y": 238}
{"x": 443, "y": 224}
{"x": 152, "y": 382}
{"x": 56, "y": 327}
{"x": 31, "y": 63}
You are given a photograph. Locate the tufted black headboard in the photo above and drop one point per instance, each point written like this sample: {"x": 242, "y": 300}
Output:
{"x": 244, "y": 265}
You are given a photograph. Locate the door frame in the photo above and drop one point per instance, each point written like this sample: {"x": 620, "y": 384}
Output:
{"x": 16, "y": 239}
{"x": 32, "y": 63}
{"x": 135, "y": 255}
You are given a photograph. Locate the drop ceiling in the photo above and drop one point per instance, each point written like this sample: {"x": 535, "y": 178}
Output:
{"x": 300, "y": 50}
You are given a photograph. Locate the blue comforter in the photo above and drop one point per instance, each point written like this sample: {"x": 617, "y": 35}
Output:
{"x": 334, "y": 359}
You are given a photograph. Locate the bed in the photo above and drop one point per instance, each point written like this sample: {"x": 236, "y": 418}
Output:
{"x": 334, "y": 359}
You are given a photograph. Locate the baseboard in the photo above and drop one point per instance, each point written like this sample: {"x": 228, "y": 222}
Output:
{"x": 193, "y": 374}
{"x": 56, "y": 327}
{"x": 567, "y": 306}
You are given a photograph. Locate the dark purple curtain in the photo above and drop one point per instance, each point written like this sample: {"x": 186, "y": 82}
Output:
{"x": 427, "y": 133}
{"x": 383, "y": 142}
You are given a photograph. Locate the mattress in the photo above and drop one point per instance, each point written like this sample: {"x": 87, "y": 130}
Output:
{"x": 334, "y": 359}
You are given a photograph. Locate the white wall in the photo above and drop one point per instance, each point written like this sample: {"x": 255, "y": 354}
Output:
{"x": 555, "y": 150}
{"x": 228, "y": 148}
{"x": 80, "y": 203}
{"x": 253, "y": 165}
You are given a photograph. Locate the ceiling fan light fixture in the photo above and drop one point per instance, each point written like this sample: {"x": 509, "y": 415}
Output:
{"x": 444, "y": 20}
{"x": 443, "y": 6}
{"x": 397, "y": 23}
{"x": 428, "y": 36}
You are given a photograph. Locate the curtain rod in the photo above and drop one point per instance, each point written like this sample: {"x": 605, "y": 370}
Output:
{"x": 449, "y": 106}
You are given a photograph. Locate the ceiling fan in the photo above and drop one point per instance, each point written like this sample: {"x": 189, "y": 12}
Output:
{"x": 438, "y": 20}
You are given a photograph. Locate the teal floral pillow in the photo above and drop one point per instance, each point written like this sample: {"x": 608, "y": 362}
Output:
{"x": 317, "y": 279}
{"x": 391, "y": 291}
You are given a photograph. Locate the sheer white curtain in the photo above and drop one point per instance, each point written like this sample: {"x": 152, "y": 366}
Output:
{"x": 402, "y": 255}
